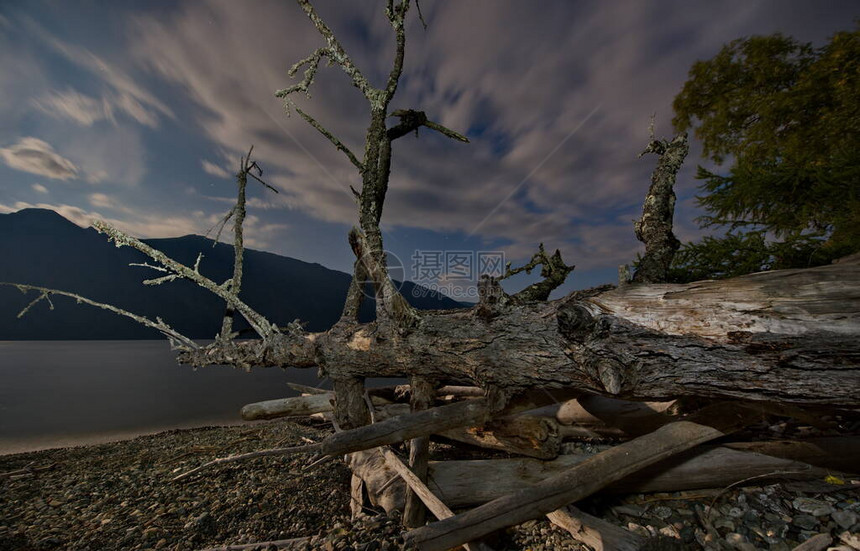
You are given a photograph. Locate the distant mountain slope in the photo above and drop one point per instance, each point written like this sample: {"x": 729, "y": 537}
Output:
{"x": 40, "y": 247}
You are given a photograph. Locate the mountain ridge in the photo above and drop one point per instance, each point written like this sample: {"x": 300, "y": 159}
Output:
{"x": 41, "y": 247}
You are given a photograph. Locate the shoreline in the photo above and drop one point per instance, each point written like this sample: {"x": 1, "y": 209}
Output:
{"x": 32, "y": 444}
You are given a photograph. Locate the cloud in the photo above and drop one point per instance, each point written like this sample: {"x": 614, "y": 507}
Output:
{"x": 213, "y": 170}
{"x": 114, "y": 154}
{"x": 39, "y": 188}
{"x": 519, "y": 81}
{"x": 38, "y": 157}
{"x": 71, "y": 105}
{"x": 101, "y": 200}
{"x": 123, "y": 93}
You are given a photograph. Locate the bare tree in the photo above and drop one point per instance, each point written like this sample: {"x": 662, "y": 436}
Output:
{"x": 789, "y": 337}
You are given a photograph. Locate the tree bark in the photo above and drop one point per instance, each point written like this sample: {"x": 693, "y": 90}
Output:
{"x": 654, "y": 229}
{"x": 781, "y": 336}
{"x": 419, "y": 454}
{"x": 295, "y": 406}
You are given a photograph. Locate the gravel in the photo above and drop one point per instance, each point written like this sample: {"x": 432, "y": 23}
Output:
{"x": 120, "y": 496}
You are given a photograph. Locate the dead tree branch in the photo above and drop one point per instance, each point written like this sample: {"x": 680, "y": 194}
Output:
{"x": 330, "y": 137}
{"x": 654, "y": 229}
{"x": 177, "y": 339}
{"x": 246, "y": 168}
{"x": 553, "y": 271}
{"x": 258, "y": 322}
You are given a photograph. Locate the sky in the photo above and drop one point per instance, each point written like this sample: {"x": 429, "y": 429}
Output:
{"x": 137, "y": 113}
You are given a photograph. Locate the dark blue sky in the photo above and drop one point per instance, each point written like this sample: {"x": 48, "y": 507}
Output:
{"x": 137, "y": 112}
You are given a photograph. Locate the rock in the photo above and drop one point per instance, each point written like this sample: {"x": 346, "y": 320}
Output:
{"x": 630, "y": 510}
{"x": 814, "y": 507}
{"x": 638, "y": 529}
{"x": 688, "y": 534}
{"x": 844, "y": 519}
{"x": 669, "y": 531}
{"x": 661, "y": 512}
{"x": 805, "y": 522}
{"x": 724, "y": 522}
{"x": 205, "y": 523}
{"x": 751, "y": 517}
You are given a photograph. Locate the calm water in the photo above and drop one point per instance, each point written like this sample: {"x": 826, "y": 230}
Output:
{"x": 60, "y": 393}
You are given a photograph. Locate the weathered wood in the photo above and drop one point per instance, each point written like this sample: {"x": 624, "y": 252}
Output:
{"x": 528, "y": 435}
{"x": 782, "y": 302}
{"x": 389, "y": 431}
{"x": 370, "y": 466}
{"x": 460, "y": 391}
{"x": 305, "y": 389}
{"x": 579, "y": 481}
{"x": 818, "y": 542}
{"x": 598, "y": 412}
{"x": 832, "y": 452}
{"x": 356, "y": 496}
{"x": 595, "y": 532}
{"x": 473, "y": 482}
{"x": 524, "y": 434}
{"x": 654, "y": 229}
{"x": 782, "y": 336}
{"x": 350, "y": 409}
{"x": 417, "y": 486}
{"x": 419, "y": 452}
{"x": 295, "y": 406}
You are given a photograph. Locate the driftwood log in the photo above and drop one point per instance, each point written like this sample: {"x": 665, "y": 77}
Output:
{"x": 782, "y": 336}
{"x": 473, "y": 482}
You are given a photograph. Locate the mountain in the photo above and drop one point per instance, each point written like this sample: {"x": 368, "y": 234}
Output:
{"x": 40, "y": 247}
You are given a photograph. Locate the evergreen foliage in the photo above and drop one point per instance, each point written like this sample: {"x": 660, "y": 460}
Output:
{"x": 780, "y": 120}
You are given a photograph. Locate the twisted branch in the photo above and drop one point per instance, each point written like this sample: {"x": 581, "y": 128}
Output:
{"x": 553, "y": 270}
{"x": 258, "y": 322}
{"x": 331, "y": 137}
{"x": 411, "y": 119}
{"x": 177, "y": 339}
{"x": 335, "y": 53}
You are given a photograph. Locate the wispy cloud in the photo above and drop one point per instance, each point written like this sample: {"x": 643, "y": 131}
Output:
{"x": 38, "y": 157}
{"x": 123, "y": 93}
{"x": 213, "y": 170}
{"x": 71, "y": 105}
{"x": 39, "y": 188}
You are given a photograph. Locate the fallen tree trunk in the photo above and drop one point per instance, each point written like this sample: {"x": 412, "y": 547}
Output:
{"x": 295, "y": 406}
{"x": 474, "y": 482}
{"x": 781, "y": 336}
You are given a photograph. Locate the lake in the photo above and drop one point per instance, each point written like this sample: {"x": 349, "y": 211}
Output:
{"x": 61, "y": 393}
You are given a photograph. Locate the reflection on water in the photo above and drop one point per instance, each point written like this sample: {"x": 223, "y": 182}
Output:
{"x": 55, "y": 393}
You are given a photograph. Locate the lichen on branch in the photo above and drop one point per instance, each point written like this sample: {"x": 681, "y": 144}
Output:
{"x": 654, "y": 228}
